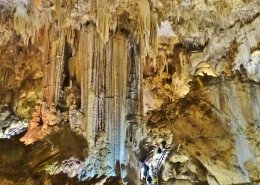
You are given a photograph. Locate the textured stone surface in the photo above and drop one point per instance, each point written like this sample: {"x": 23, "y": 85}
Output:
{"x": 128, "y": 74}
{"x": 10, "y": 124}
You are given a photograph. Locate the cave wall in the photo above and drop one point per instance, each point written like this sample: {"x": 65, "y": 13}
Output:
{"x": 123, "y": 73}
{"x": 218, "y": 133}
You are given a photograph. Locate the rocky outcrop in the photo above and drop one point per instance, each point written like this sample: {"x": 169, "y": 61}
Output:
{"x": 41, "y": 124}
{"x": 10, "y": 124}
{"x": 213, "y": 132}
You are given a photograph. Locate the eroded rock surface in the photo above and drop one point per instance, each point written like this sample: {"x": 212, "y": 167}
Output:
{"x": 126, "y": 75}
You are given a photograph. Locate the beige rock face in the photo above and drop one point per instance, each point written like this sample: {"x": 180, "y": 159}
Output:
{"x": 216, "y": 133}
{"x": 128, "y": 74}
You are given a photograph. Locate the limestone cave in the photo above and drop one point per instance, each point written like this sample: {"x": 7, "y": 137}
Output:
{"x": 130, "y": 92}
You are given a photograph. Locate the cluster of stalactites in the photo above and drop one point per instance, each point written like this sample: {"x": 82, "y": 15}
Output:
{"x": 30, "y": 17}
{"x": 54, "y": 60}
{"x": 58, "y": 29}
{"x": 110, "y": 79}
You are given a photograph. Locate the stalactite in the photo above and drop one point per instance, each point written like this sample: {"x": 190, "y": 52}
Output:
{"x": 102, "y": 20}
{"x": 153, "y": 34}
{"x": 28, "y": 25}
{"x": 84, "y": 58}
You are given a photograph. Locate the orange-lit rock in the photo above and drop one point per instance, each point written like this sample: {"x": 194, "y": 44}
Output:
{"x": 38, "y": 127}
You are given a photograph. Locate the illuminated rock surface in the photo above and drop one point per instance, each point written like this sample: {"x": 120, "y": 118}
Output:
{"x": 126, "y": 75}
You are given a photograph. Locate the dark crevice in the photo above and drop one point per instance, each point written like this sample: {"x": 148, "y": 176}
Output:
{"x": 67, "y": 56}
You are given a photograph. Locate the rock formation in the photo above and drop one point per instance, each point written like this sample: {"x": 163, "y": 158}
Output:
{"x": 128, "y": 75}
